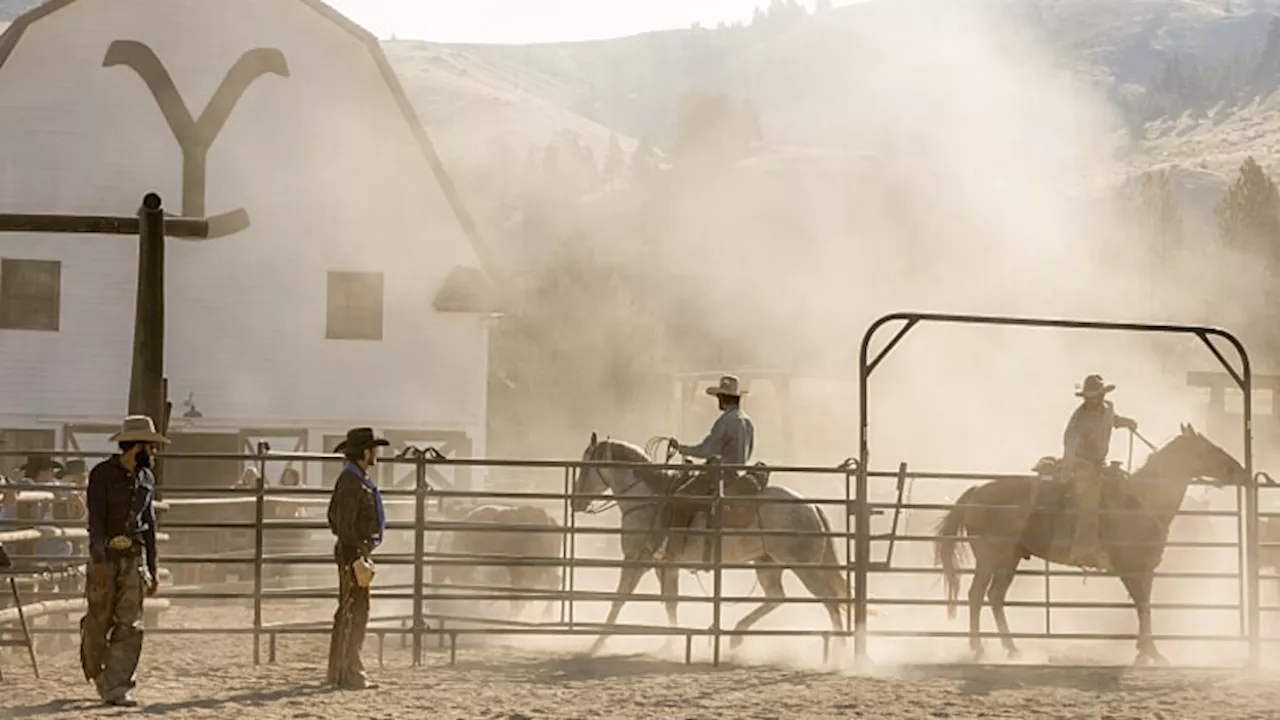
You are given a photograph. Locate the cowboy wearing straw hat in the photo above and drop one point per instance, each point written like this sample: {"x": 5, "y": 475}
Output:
{"x": 731, "y": 441}
{"x": 358, "y": 520}
{"x": 122, "y": 565}
{"x": 1086, "y": 444}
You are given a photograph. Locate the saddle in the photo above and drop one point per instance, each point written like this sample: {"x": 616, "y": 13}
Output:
{"x": 695, "y": 488}
{"x": 1051, "y": 532}
{"x": 1050, "y": 468}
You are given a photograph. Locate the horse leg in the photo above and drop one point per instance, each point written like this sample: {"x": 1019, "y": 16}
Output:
{"x": 771, "y": 582}
{"x": 517, "y": 581}
{"x": 627, "y": 582}
{"x": 669, "y": 582}
{"x": 977, "y": 589}
{"x": 825, "y": 584}
{"x": 1001, "y": 579}
{"x": 1139, "y": 586}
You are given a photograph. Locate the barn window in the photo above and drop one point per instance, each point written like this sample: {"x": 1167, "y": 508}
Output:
{"x": 355, "y": 306}
{"x": 30, "y": 294}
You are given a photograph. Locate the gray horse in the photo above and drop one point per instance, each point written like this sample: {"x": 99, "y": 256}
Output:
{"x": 641, "y": 494}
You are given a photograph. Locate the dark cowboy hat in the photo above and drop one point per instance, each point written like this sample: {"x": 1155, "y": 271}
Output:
{"x": 74, "y": 467}
{"x": 1094, "y": 386}
{"x": 39, "y": 463}
{"x": 358, "y": 439}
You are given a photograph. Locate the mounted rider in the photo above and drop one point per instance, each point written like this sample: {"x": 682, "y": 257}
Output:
{"x": 731, "y": 442}
{"x": 1086, "y": 444}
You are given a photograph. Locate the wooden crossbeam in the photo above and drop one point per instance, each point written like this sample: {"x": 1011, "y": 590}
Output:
{"x": 99, "y": 225}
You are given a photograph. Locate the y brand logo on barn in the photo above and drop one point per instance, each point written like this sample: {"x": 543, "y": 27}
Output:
{"x": 196, "y": 136}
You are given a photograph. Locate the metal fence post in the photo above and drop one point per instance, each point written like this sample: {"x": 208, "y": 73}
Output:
{"x": 718, "y": 584}
{"x": 573, "y": 553}
{"x": 1251, "y": 512}
{"x": 419, "y": 548}
{"x": 565, "y": 551}
{"x": 260, "y": 508}
{"x": 849, "y": 540}
{"x": 862, "y": 558}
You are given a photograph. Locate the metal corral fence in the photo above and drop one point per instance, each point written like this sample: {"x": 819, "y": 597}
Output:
{"x": 589, "y": 556}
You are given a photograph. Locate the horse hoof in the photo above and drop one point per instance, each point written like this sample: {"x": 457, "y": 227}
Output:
{"x": 1014, "y": 654}
{"x": 976, "y": 655}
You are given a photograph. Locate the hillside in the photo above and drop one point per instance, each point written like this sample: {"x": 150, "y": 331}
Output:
{"x": 490, "y": 118}
{"x": 493, "y": 109}
{"x": 632, "y": 84}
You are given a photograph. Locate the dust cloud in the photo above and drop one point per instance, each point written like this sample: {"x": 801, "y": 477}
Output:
{"x": 964, "y": 169}
{"x": 961, "y": 168}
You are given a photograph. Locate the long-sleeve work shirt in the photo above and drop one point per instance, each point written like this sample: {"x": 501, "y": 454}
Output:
{"x": 120, "y": 502}
{"x": 1088, "y": 434}
{"x": 732, "y": 439}
{"x": 355, "y": 515}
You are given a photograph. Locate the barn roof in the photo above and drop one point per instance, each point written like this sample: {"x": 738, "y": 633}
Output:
{"x": 13, "y": 34}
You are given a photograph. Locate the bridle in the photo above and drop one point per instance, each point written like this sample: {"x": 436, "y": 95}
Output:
{"x": 605, "y": 505}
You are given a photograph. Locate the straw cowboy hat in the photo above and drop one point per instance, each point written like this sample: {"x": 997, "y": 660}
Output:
{"x": 728, "y": 387}
{"x": 1093, "y": 386}
{"x": 138, "y": 428}
{"x": 358, "y": 439}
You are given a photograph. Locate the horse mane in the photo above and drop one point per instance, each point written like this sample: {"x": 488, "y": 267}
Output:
{"x": 657, "y": 480}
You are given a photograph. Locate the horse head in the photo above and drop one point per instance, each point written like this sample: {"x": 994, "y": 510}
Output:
{"x": 597, "y": 480}
{"x": 1195, "y": 456}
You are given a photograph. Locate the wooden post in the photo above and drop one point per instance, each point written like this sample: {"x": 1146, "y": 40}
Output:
{"x": 146, "y": 384}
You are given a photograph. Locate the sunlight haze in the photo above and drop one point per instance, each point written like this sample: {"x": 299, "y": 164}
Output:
{"x": 518, "y": 21}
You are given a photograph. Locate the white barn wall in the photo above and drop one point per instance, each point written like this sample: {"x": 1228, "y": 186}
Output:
{"x": 330, "y": 173}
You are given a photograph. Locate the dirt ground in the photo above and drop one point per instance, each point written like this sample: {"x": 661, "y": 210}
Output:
{"x": 214, "y": 677}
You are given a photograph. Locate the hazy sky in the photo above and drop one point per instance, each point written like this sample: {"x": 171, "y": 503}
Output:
{"x": 520, "y": 21}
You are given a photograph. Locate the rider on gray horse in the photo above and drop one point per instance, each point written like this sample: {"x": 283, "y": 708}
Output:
{"x": 731, "y": 441}
{"x": 1086, "y": 443}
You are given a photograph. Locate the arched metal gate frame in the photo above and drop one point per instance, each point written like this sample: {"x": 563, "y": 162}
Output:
{"x": 867, "y": 364}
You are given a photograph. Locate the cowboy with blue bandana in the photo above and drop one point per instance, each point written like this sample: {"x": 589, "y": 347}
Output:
{"x": 358, "y": 520}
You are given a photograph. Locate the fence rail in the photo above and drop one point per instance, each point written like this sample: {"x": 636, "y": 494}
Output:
{"x": 417, "y": 512}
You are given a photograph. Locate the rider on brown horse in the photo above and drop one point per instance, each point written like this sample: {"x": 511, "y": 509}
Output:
{"x": 731, "y": 442}
{"x": 1086, "y": 443}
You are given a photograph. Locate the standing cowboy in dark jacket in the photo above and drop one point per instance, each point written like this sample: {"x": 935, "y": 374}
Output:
{"x": 122, "y": 565}
{"x": 357, "y": 518}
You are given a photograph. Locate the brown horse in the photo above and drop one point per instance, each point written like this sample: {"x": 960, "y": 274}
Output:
{"x": 1005, "y": 524}
{"x": 496, "y": 545}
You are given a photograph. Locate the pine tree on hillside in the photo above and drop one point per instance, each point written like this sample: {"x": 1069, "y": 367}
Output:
{"x": 1249, "y": 213}
{"x": 712, "y": 126}
{"x": 583, "y": 338}
{"x": 1159, "y": 212}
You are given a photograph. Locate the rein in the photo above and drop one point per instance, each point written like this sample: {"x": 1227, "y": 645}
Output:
{"x": 606, "y": 505}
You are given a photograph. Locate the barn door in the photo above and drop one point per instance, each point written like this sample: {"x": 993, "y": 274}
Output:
{"x": 450, "y": 443}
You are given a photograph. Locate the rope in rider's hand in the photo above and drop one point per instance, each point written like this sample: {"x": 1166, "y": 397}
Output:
{"x": 656, "y": 442}
{"x": 1150, "y": 445}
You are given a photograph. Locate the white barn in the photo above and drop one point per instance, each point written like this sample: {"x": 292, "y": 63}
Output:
{"x": 356, "y": 295}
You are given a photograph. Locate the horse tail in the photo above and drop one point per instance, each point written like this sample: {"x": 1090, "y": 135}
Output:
{"x": 839, "y": 587}
{"x": 947, "y": 548}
